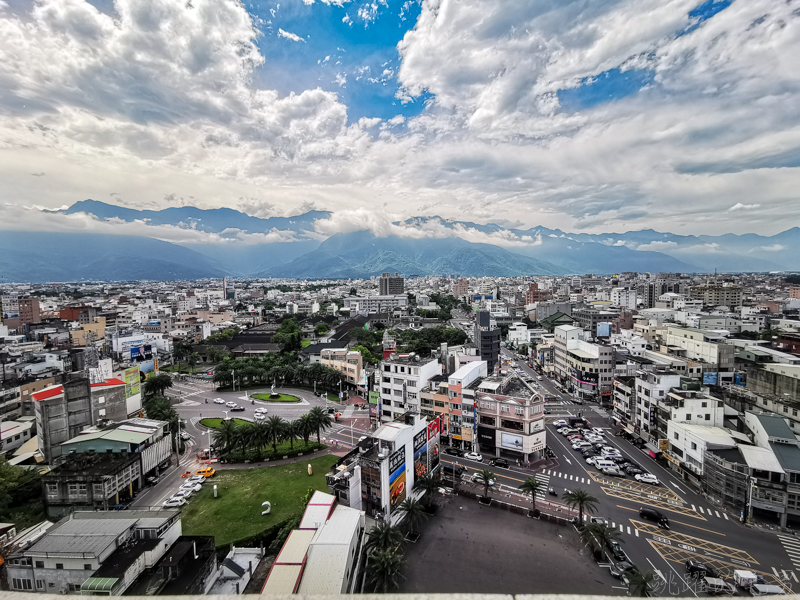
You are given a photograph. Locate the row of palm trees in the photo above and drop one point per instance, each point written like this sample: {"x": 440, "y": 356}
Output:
{"x": 230, "y": 436}
{"x": 275, "y": 368}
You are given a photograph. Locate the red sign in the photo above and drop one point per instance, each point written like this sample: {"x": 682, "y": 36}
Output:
{"x": 433, "y": 429}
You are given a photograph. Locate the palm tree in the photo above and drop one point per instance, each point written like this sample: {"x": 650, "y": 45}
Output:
{"x": 193, "y": 359}
{"x": 383, "y": 568}
{"x": 226, "y": 435}
{"x": 306, "y": 427}
{"x": 598, "y": 535}
{"x": 160, "y": 409}
{"x": 383, "y": 536}
{"x": 486, "y": 479}
{"x": 413, "y": 511}
{"x": 640, "y": 583}
{"x": 321, "y": 420}
{"x": 532, "y": 486}
{"x": 292, "y": 430}
{"x": 157, "y": 385}
{"x": 582, "y": 500}
{"x": 275, "y": 427}
{"x": 428, "y": 484}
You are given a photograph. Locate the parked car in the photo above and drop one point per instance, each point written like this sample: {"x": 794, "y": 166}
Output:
{"x": 560, "y": 423}
{"x": 197, "y": 479}
{"x": 453, "y": 451}
{"x": 647, "y": 478}
{"x": 599, "y": 430}
{"x": 589, "y": 452}
{"x": 182, "y": 493}
{"x": 185, "y": 436}
{"x": 219, "y": 401}
{"x": 633, "y": 470}
{"x": 612, "y": 471}
{"x": 191, "y": 486}
{"x": 174, "y": 502}
{"x": 230, "y": 404}
{"x": 591, "y": 459}
{"x": 581, "y": 445}
{"x": 699, "y": 570}
{"x": 474, "y": 456}
{"x": 616, "y": 550}
{"x": 499, "y": 462}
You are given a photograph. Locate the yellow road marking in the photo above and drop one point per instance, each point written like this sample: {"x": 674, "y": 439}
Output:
{"x": 635, "y": 486}
{"x": 700, "y": 528}
{"x": 693, "y": 541}
{"x": 625, "y": 495}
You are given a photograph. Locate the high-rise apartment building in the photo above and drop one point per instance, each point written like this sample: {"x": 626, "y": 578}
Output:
{"x": 29, "y": 311}
{"x": 487, "y": 338}
{"x": 711, "y": 295}
{"x": 391, "y": 285}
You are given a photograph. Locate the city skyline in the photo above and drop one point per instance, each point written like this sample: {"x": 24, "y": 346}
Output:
{"x": 607, "y": 117}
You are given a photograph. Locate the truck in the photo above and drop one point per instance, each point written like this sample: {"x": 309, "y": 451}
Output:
{"x": 744, "y": 579}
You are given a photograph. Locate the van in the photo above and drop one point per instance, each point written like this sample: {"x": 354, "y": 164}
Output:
{"x": 652, "y": 514}
{"x": 763, "y": 589}
{"x": 603, "y": 463}
{"x": 714, "y": 586}
{"x": 206, "y": 471}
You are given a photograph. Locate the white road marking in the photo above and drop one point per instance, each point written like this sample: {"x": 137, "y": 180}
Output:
{"x": 774, "y": 570}
{"x": 717, "y": 513}
{"x": 702, "y": 512}
{"x": 636, "y": 532}
{"x": 568, "y": 460}
{"x": 726, "y": 516}
{"x": 794, "y": 576}
{"x": 693, "y": 508}
{"x": 629, "y": 529}
{"x": 622, "y": 528}
{"x": 656, "y": 571}
{"x": 676, "y": 486}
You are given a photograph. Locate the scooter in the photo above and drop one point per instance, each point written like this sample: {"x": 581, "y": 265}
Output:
{"x": 206, "y": 400}
{"x": 552, "y": 492}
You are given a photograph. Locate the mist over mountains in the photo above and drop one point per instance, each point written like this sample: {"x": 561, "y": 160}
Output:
{"x": 297, "y": 246}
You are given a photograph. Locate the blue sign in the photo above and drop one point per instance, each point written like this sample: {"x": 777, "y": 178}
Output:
{"x": 709, "y": 379}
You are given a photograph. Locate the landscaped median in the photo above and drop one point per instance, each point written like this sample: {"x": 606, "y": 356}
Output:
{"x": 279, "y": 398}
{"x": 235, "y": 515}
{"x": 285, "y": 449}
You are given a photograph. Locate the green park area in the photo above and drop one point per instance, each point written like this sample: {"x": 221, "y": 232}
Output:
{"x": 280, "y": 398}
{"x": 214, "y": 423}
{"x": 236, "y": 513}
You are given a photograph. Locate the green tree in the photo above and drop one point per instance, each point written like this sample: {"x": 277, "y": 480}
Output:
{"x": 413, "y": 512}
{"x": 428, "y": 484}
{"x": 192, "y": 360}
{"x": 640, "y": 583}
{"x": 532, "y": 486}
{"x": 320, "y": 420}
{"x": 305, "y": 427}
{"x": 225, "y": 436}
{"x": 20, "y": 494}
{"x": 289, "y": 335}
{"x": 598, "y": 535}
{"x": 485, "y": 478}
{"x": 157, "y": 385}
{"x": 366, "y": 355}
{"x": 321, "y": 329}
{"x": 384, "y": 536}
{"x": 383, "y": 569}
{"x": 582, "y": 500}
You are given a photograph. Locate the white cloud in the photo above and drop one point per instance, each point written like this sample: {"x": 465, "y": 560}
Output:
{"x": 739, "y": 206}
{"x": 772, "y": 248}
{"x": 341, "y": 79}
{"x": 655, "y": 246}
{"x": 290, "y": 36}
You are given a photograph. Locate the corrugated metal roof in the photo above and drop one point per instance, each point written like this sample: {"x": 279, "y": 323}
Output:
{"x": 759, "y": 458}
{"x": 282, "y": 579}
{"x": 788, "y": 455}
{"x": 326, "y": 567}
{"x": 314, "y": 516}
{"x": 90, "y": 536}
{"x": 775, "y": 426}
{"x": 108, "y": 383}
{"x": 295, "y": 547}
{"x": 339, "y": 529}
{"x": 390, "y": 431}
{"x": 99, "y": 584}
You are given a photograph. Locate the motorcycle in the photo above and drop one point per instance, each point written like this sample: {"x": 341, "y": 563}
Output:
{"x": 206, "y": 400}
{"x": 252, "y": 402}
{"x": 552, "y": 492}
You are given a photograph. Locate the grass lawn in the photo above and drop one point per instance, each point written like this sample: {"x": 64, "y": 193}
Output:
{"x": 214, "y": 423}
{"x": 305, "y": 343}
{"x": 280, "y": 398}
{"x": 236, "y": 513}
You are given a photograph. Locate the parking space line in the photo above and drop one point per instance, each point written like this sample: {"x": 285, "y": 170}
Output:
{"x": 701, "y": 511}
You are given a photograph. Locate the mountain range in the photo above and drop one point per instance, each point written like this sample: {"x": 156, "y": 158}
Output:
{"x": 458, "y": 248}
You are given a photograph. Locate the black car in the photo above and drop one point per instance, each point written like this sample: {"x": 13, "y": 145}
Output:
{"x": 453, "y": 451}
{"x": 618, "y": 459}
{"x": 237, "y": 409}
{"x": 499, "y": 462}
{"x": 700, "y": 570}
{"x": 634, "y": 471}
{"x": 590, "y": 452}
{"x": 616, "y": 550}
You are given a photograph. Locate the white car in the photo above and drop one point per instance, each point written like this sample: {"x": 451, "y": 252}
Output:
{"x": 174, "y": 502}
{"x": 474, "y": 479}
{"x": 230, "y": 404}
{"x": 560, "y": 423}
{"x": 599, "y": 430}
{"x": 473, "y": 456}
{"x": 185, "y": 436}
{"x": 647, "y": 478}
{"x": 219, "y": 401}
{"x": 539, "y": 378}
{"x": 562, "y": 430}
{"x": 259, "y": 416}
{"x": 185, "y": 494}
{"x": 197, "y": 479}
{"x": 191, "y": 487}
{"x": 260, "y": 409}
{"x": 581, "y": 445}
{"x": 614, "y": 471}
{"x": 590, "y": 460}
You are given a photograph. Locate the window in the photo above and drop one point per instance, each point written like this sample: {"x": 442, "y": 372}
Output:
{"x": 694, "y": 446}
{"x": 87, "y": 567}
{"x": 688, "y": 417}
{"x": 708, "y": 417}
{"x": 486, "y": 420}
{"x": 39, "y": 584}
{"x": 21, "y": 584}
{"x": 52, "y": 489}
{"x": 59, "y": 565}
{"x": 703, "y": 404}
{"x": 40, "y": 564}
{"x": 677, "y": 437}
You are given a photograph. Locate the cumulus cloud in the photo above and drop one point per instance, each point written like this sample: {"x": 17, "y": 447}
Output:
{"x": 771, "y": 248}
{"x": 655, "y": 246}
{"x": 290, "y": 36}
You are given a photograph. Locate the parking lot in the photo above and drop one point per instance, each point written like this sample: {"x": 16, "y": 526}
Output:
{"x": 468, "y": 548}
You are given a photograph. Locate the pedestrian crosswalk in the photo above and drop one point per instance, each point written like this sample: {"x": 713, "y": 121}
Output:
{"x": 545, "y": 480}
{"x": 792, "y": 546}
{"x": 568, "y": 477}
{"x": 710, "y": 512}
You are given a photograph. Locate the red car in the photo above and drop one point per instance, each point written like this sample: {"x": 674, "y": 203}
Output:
{"x": 573, "y": 438}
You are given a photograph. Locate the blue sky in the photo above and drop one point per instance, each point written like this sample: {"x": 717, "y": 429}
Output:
{"x": 356, "y": 58}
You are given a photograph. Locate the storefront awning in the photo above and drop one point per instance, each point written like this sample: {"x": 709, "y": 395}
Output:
{"x": 99, "y": 584}
{"x": 652, "y": 448}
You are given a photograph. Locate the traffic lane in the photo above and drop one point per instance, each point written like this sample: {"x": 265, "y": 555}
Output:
{"x": 510, "y": 477}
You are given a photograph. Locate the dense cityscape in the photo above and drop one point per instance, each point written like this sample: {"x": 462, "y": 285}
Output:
{"x": 288, "y": 436}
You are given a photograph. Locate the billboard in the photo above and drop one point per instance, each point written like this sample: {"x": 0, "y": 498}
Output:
{"x": 374, "y": 397}
{"x": 420, "y": 454}
{"x": 140, "y": 353}
{"x": 508, "y": 440}
{"x": 397, "y": 477}
{"x": 132, "y": 381}
{"x": 663, "y": 445}
{"x": 433, "y": 444}
{"x": 148, "y": 369}
{"x": 709, "y": 379}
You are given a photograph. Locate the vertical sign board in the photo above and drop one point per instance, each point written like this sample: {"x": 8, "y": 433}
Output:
{"x": 132, "y": 381}
{"x": 433, "y": 445}
{"x": 397, "y": 477}
{"x": 420, "y": 454}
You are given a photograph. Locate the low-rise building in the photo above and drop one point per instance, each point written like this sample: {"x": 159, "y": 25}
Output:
{"x": 347, "y": 362}
{"x": 402, "y": 377}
